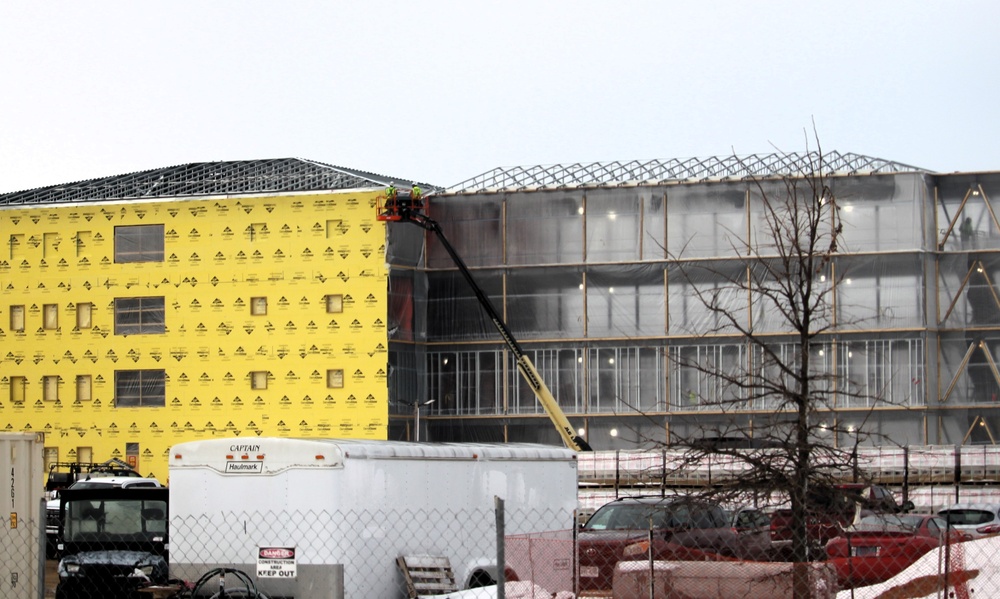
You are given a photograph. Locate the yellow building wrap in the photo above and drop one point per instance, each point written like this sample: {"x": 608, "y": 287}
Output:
{"x": 274, "y": 314}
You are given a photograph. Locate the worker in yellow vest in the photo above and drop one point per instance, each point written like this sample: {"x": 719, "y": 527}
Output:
{"x": 416, "y": 197}
{"x": 390, "y": 196}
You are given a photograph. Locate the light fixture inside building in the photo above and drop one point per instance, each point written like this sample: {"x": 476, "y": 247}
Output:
{"x": 581, "y": 431}
{"x": 614, "y": 432}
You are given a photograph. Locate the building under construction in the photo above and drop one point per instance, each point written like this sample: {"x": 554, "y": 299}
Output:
{"x": 265, "y": 297}
{"x": 593, "y": 267}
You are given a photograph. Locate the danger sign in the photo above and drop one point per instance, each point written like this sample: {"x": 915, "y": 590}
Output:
{"x": 276, "y": 562}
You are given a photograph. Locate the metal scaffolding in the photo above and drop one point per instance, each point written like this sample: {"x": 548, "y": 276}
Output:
{"x": 206, "y": 179}
{"x": 651, "y": 172}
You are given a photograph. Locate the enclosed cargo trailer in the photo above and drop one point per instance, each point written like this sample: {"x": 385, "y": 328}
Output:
{"x": 312, "y": 517}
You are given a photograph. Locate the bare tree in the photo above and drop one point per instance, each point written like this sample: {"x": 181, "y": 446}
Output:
{"x": 778, "y": 299}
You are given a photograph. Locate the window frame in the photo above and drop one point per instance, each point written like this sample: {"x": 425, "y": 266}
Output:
{"x": 332, "y": 378}
{"x": 17, "y": 318}
{"x": 334, "y": 303}
{"x": 50, "y": 387}
{"x": 258, "y": 306}
{"x": 50, "y": 317}
{"x": 149, "y": 239}
{"x": 18, "y": 389}
{"x": 86, "y": 383}
{"x": 142, "y": 327}
{"x": 258, "y": 380}
{"x": 81, "y": 309}
{"x": 154, "y": 396}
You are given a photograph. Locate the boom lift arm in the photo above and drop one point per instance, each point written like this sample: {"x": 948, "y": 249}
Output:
{"x": 406, "y": 208}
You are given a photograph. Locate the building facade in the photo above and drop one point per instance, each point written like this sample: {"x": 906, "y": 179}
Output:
{"x": 212, "y": 299}
{"x": 265, "y": 298}
{"x": 593, "y": 267}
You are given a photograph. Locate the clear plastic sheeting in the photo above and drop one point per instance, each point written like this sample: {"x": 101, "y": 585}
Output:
{"x": 137, "y": 388}
{"x": 618, "y": 292}
{"x": 139, "y": 315}
{"x": 139, "y": 243}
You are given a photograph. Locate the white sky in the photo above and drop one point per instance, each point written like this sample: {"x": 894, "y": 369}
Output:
{"x": 441, "y": 91}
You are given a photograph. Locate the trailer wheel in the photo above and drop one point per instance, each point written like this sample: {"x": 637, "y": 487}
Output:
{"x": 241, "y": 594}
{"x": 481, "y": 578}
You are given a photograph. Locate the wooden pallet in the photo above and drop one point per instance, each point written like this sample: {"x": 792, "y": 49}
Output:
{"x": 426, "y": 575}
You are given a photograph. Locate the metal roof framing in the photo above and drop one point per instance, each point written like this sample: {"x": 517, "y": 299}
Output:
{"x": 647, "y": 172}
{"x": 207, "y": 179}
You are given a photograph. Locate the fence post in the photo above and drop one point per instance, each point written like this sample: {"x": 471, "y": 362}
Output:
{"x": 958, "y": 473}
{"x": 906, "y": 473}
{"x": 617, "y": 471}
{"x": 43, "y": 548}
{"x": 501, "y": 558}
{"x": 663, "y": 472}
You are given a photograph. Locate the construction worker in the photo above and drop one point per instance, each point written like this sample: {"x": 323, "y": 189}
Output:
{"x": 390, "y": 196}
{"x": 416, "y": 196}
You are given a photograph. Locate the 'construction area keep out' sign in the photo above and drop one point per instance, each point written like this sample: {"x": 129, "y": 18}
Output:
{"x": 276, "y": 562}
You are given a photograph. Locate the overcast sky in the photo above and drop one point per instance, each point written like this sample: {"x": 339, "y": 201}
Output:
{"x": 443, "y": 91}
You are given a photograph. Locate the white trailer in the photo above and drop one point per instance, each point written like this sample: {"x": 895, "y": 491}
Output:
{"x": 308, "y": 517}
{"x": 21, "y": 505}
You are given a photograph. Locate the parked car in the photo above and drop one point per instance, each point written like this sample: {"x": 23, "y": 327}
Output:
{"x": 670, "y": 529}
{"x": 877, "y": 533}
{"x": 114, "y": 541}
{"x": 749, "y": 518}
{"x": 53, "y": 519}
{"x": 975, "y": 519}
{"x": 834, "y": 508}
{"x": 880, "y": 546}
{"x": 63, "y": 474}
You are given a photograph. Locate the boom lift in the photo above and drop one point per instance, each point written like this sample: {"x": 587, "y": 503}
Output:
{"x": 403, "y": 206}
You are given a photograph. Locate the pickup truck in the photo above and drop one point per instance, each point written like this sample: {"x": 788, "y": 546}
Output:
{"x": 53, "y": 517}
{"x": 833, "y": 509}
{"x": 114, "y": 541}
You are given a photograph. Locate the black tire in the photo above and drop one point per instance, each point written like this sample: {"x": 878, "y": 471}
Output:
{"x": 241, "y": 594}
{"x": 481, "y": 579}
{"x": 62, "y": 593}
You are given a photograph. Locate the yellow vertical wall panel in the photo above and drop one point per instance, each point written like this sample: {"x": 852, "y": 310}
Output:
{"x": 219, "y": 253}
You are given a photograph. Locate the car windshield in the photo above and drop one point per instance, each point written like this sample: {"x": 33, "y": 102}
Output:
{"x": 106, "y": 483}
{"x": 628, "y": 516}
{"x": 970, "y": 517}
{"x": 748, "y": 518}
{"x": 643, "y": 516}
{"x": 879, "y": 521}
{"x": 115, "y": 518}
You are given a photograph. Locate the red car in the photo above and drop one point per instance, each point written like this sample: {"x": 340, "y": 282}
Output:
{"x": 882, "y": 545}
{"x": 681, "y": 529}
{"x": 833, "y": 508}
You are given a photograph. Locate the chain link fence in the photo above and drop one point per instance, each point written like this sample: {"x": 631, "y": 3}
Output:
{"x": 355, "y": 554}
